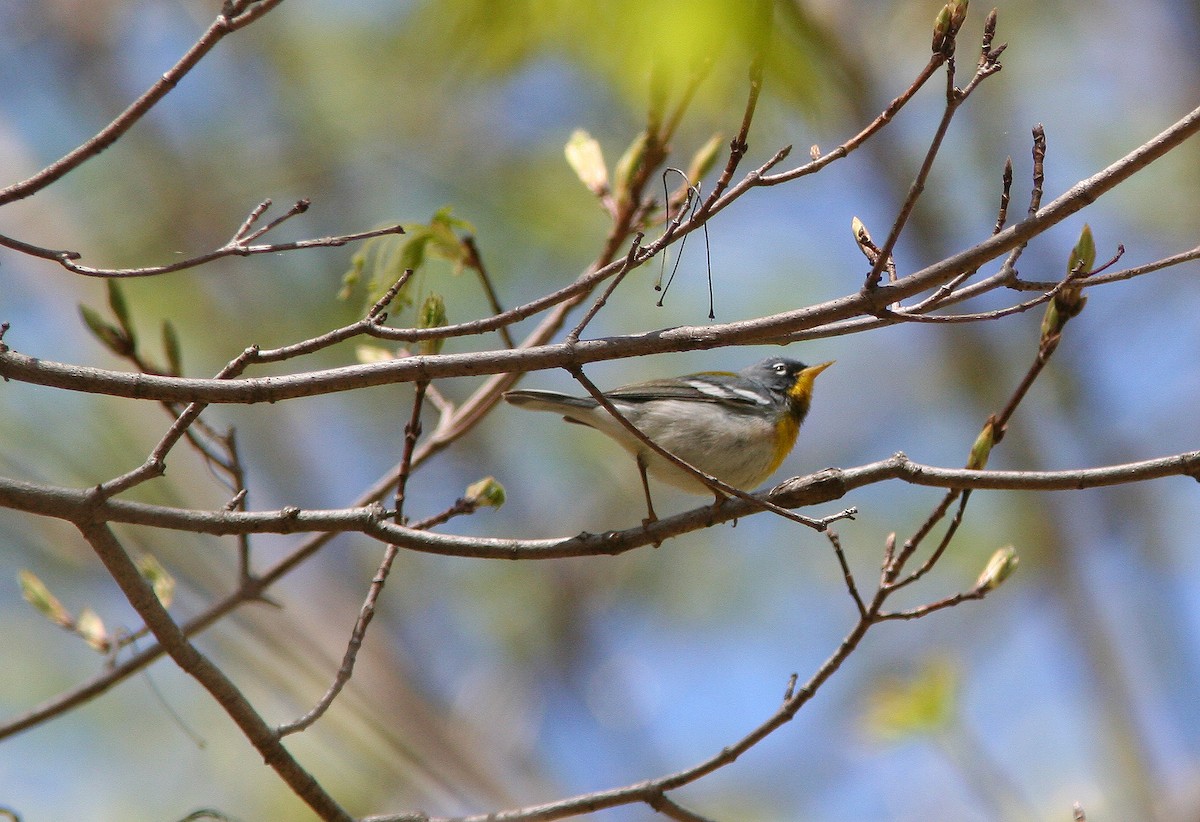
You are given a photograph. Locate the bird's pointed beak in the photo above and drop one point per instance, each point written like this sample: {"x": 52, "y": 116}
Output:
{"x": 812, "y": 371}
{"x": 802, "y": 389}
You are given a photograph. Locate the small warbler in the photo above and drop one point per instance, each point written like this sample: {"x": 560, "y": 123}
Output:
{"x": 736, "y": 427}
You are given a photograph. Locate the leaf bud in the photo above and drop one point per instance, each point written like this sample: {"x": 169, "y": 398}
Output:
{"x": 999, "y": 568}
{"x": 487, "y": 493}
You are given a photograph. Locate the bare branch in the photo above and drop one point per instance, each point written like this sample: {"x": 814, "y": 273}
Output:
{"x": 824, "y": 486}
{"x": 236, "y": 247}
{"x": 234, "y": 15}
{"x": 536, "y": 355}
{"x": 141, "y": 597}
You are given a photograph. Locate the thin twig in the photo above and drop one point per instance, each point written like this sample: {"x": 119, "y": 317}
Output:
{"x": 739, "y": 145}
{"x": 825, "y": 486}
{"x": 234, "y": 15}
{"x": 602, "y": 300}
{"x": 954, "y": 99}
{"x": 367, "y": 613}
{"x": 673, "y": 810}
{"x": 236, "y": 247}
{"x": 535, "y": 354}
{"x": 942, "y": 545}
{"x": 475, "y": 262}
{"x": 932, "y": 607}
{"x": 851, "y": 587}
{"x": 141, "y": 596}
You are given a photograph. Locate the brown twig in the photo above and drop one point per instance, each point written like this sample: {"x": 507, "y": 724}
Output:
{"x": 847, "y": 576}
{"x": 235, "y": 14}
{"x": 739, "y": 145}
{"x": 74, "y": 505}
{"x": 599, "y": 302}
{"x": 237, "y": 246}
{"x": 367, "y": 612}
{"x": 954, "y": 99}
{"x": 673, "y": 810}
{"x": 534, "y": 354}
{"x": 141, "y": 596}
{"x": 475, "y": 262}
{"x": 825, "y": 486}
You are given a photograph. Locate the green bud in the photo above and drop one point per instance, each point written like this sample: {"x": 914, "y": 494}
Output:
{"x": 38, "y": 595}
{"x": 941, "y": 29}
{"x": 958, "y": 14}
{"x": 92, "y": 629}
{"x": 1051, "y": 321}
{"x": 487, "y": 493}
{"x": 1082, "y": 260}
{"x": 1083, "y": 255}
{"x": 704, "y": 159}
{"x": 587, "y": 161}
{"x": 999, "y": 568}
{"x": 433, "y": 315}
{"x": 1069, "y": 301}
{"x": 629, "y": 164}
{"x": 171, "y": 348}
{"x": 160, "y": 580}
{"x": 109, "y": 336}
{"x": 120, "y": 309}
{"x": 982, "y": 448}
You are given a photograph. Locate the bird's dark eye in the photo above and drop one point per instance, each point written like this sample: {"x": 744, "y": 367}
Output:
{"x": 780, "y": 368}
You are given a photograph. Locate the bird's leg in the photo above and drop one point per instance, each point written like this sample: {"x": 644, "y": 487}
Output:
{"x": 651, "y": 516}
{"x": 719, "y": 498}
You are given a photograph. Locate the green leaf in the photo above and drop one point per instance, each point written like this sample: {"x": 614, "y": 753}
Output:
{"x": 388, "y": 259}
{"x": 410, "y": 254}
{"x": 444, "y": 216}
{"x": 381, "y": 261}
{"x": 445, "y": 242}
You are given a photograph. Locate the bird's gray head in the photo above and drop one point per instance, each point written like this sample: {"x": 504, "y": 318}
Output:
{"x": 787, "y": 378}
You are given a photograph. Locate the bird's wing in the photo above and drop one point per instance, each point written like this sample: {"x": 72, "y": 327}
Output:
{"x": 693, "y": 387}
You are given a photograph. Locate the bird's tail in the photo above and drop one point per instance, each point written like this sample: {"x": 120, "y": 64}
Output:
{"x": 548, "y": 401}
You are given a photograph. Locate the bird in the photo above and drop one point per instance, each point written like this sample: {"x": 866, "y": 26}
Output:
{"x": 736, "y": 427}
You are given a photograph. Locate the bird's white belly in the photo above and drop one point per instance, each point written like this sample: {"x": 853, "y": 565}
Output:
{"x": 742, "y": 454}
